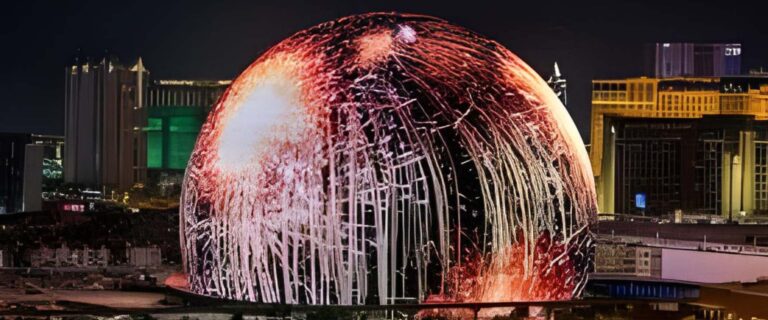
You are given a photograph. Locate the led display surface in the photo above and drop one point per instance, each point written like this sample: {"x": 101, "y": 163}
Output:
{"x": 387, "y": 158}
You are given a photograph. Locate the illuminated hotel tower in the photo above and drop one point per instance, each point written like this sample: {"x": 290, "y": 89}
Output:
{"x": 176, "y": 110}
{"x": 558, "y": 85}
{"x": 699, "y": 145}
{"x": 103, "y": 121}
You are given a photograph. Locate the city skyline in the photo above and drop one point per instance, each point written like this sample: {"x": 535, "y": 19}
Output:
{"x": 589, "y": 40}
{"x": 367, "y": 160}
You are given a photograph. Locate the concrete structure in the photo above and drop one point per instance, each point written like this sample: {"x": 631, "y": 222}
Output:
{"x": 703, "y": 253}
{"x": 64, "y": 256}
{"x": 12, "y": 147}
{"x": 104, "y": 114}
{"x": 665, "y": 60}
{"x": 707, "y": 137}
{"x": 6, "y": 257}
{"x": 33, "y": 177}
{"x": 29, "y": 165}
{"x": 627, "y": 260}
{"x": 690, "y": 261}
{"x": 145, "y": 256}
{"x": 742, "y": 235}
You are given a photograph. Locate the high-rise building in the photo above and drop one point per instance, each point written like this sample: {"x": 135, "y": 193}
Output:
{"x": 176, "y": 110}
{"x": 29, "y": 165}
{"x": 104, "y": 117}
{"x": 699, "y": 145}
{"x": 665, "y": 60}
{"x": 559, "y": 85}
{"x": 12, "y": 147}
{"x": 43, "y": 170}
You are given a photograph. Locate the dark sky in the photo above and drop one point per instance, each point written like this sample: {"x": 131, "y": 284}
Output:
{"x": 216, "y": 39}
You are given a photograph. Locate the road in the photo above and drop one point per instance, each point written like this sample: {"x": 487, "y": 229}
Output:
{"x": 105, "y": 298}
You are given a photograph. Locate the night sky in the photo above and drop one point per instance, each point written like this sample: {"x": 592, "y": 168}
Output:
{"x": 217, "y": 39}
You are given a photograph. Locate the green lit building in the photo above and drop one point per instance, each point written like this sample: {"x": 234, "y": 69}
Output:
{"x": 176, "y": 109}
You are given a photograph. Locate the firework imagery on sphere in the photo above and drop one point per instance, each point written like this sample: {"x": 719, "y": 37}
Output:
{"x": 384, "y": 158}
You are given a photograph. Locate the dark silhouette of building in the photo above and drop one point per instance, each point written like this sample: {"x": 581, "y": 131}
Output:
{"x": 28, "y": 165}
{"x": 12, "y": 147}
{"x": 104, "y": 116}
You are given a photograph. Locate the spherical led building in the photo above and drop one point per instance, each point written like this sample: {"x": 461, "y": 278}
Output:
{"x": 387, "y": 158}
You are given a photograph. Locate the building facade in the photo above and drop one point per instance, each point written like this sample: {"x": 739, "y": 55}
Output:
{"x": 43, "y": 170}
{"x": 30, "y": 165}
{"x": 667, "y": 259}
{"x": 145, "y": 256}
{"x": 699, "y": 145}
{"x": 616, "y": 258}
{"x": 176, "y": 110}
{"x": 69, "y": 257}
{"x": 104, "y": 117}
{"x": 665, "y": 60}
{"x": 12, "y": 147}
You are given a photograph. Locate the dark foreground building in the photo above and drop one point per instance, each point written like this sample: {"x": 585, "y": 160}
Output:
{"x": 12, "y": 147}
{"x": 29, "y": 165}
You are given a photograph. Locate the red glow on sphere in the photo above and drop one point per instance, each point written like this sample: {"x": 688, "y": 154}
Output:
{"x": 386, "y": 158}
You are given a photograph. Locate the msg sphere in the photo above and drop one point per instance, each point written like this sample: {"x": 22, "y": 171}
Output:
{"x": 387, "y": 158}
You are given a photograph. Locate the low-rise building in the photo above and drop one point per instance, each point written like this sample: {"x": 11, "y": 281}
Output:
{"x": 629, "y": 260}
{"x": 66, "y": 257}
{"x": 6, "y": 257}
{"x": 144, "y": 256}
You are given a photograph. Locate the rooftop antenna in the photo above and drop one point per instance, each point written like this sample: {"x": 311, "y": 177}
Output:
{"x": 558, "y": 84}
